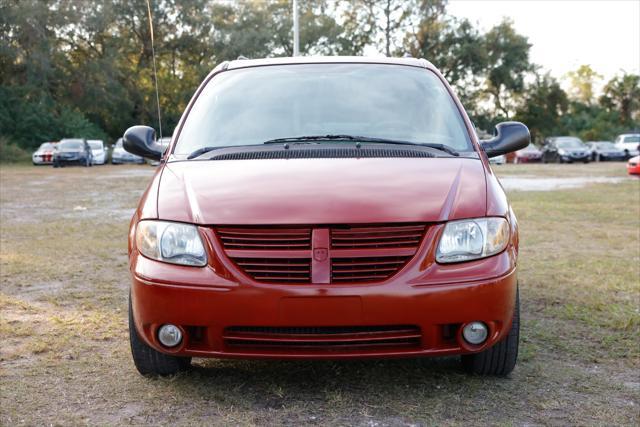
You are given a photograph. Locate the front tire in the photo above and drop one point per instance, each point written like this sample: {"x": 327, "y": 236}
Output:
{"x": 150, "y": 362}
{"x": 501, "y": 358}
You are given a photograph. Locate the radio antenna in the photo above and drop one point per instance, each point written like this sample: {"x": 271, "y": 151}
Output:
{"x": 155, "y": 72}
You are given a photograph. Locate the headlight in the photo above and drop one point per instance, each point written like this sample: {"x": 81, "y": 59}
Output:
{"x": 472, "y": 239}
{"x": 562, "y": 152}
{"x": 171, "y": 242}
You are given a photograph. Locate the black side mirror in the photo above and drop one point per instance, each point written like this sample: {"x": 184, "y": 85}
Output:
{"x": 509, "y": 137}
{"x": 141, "y": 140}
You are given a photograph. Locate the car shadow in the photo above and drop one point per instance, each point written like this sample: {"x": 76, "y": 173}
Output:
{"x": 276, "y": 383}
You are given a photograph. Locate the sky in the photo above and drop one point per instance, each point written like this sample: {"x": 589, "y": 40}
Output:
{"x": 567, "y": 33}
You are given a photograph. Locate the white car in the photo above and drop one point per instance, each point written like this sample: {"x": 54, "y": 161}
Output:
{"x": 44, "y": 154}
{"x": 98, "y": 151}
{"x": 628, "y": 142}
{"x": 120, "y": 155}
{"x": 164, "y": 143}
{"x": 498, "y": 160}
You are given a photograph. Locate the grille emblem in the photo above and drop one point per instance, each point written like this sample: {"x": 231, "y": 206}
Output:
{"x": 320, "y": 254}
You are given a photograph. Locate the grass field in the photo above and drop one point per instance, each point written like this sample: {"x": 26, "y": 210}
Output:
{"x": 64, "y": 355}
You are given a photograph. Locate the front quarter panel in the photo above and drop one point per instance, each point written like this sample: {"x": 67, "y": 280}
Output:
{"x": 498, "y": 205}
{"x": 147, "y": 207}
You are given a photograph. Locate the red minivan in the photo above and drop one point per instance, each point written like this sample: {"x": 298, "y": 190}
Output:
{"x": 324, "y": 208}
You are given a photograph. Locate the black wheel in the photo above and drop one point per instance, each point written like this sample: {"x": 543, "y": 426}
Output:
{"x": 55, "y": 164}
{"x": 559, "y": 159}
{"x": 501, "y": 358}
{"x": 150, "y": 362}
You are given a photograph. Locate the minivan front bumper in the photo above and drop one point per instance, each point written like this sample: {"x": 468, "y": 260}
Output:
{"x": 227, "y": 319}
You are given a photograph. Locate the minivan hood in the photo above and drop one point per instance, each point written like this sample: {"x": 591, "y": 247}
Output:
{"x": 322, "y": 191}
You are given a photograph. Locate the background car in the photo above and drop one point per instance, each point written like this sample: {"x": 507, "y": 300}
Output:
{"x": 528, "y": 154}
{"x": 628, "y": 143}
{"x": 98, "y": 150}
{"x": 72, "y": 151}
{"x": 564, "y": 149}
{"x": 605, "y": 150}
{"x": 164, "y": 143}
{"x": 633, "y": 166}
{"x": 44, "y": 154}
{"x": 120, "y": 155}
{"x": 498, "y": 160}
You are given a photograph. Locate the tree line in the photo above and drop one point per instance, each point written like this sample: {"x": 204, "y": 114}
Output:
{"x": 84, "y": 68}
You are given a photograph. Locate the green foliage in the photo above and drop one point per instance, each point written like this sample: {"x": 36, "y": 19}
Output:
{"x": 545, "y": 105}
{"x": 29, "y": 119}
{"x": 507, "y": 65}
{"x": 582, "y": 81}
{"x": 622, "y": 93}
{"x": 11, "y": 153}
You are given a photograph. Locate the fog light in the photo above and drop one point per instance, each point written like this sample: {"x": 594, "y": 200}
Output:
{"x": 475, "y": 332}
{"x": 169, "y": 335}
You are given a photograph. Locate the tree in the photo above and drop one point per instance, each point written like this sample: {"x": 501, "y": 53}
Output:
{"x": 454, "y": 46}
{"x": 582, "y": 81}
{"x": 622, "y": 93}
{"x": 507, "y": 65}
{"x": 358, "y": 23}
{"x": 379, "y": 23}
{"x": 544, "y": 102}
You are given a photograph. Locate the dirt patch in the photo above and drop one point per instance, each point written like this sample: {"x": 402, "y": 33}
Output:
{"x": 552, "y": 184}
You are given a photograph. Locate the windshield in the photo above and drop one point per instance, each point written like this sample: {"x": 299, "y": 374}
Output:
{"x": 69, "y": 145}
{"x": 632, "y": 138}
{"x": 46, "y": 146}
{"x": 119, "y": 143}
{"x": 95, "y": 145}
{"x": 570, "y": 143}
{"x": 253, "y": 105}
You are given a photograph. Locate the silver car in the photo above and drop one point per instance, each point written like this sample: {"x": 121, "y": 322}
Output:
{"x": 628, "y": 143}
{"x": 98, "y": 150}
{"x": 604, "y": 150}
{"x": 120, "y": 155}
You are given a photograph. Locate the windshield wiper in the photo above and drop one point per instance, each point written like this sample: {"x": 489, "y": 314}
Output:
{"x": 356, "y": 138}
{"x": 310, "y": 139}
{"x": 200, "y": 151}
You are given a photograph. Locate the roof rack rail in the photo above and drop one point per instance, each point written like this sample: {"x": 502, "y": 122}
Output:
{"x": 241, "y": 58}
{"x": 407, "y": 55}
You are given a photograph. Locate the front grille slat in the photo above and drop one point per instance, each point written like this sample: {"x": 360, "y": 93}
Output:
{"x": 357, "y": 244}
{"x": 266, "y": 245}
{"x": 269, "y": 270}
{"x": 361, "y": 254}
{"x": 365, "y": 269}
{"x": 329, "y": 338}
{"x": 252, "y": 238}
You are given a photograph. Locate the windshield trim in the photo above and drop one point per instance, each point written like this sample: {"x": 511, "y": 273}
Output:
{"x": 221, "y": 68}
